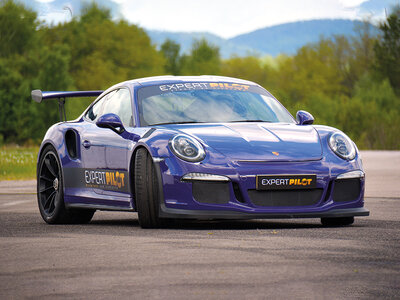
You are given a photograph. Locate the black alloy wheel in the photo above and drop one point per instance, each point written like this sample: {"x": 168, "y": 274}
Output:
{"x": 50, "y": 192}
{"x": 147, "y": 191}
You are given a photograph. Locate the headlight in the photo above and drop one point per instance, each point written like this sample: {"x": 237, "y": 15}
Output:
{"x": 187, "y": 148}
{"x": 342, "y": 145}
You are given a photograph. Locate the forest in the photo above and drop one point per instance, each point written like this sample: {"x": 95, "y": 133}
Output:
{"x": 351, "y": 83}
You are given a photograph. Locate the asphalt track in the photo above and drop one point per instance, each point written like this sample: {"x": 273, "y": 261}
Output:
{"x": 112, "y": 257}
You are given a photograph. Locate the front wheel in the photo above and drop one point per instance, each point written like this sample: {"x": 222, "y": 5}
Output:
{"x": 332, "y": 222}
{"x": 146, "y": 190}
{"x": 50, "y": 192}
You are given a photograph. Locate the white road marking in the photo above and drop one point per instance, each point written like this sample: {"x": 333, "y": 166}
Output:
{"x": 14, "y": 203}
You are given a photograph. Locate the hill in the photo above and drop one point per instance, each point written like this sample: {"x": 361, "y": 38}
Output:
{"x": 185, "y": 40}
{"x": 285, "y": 38}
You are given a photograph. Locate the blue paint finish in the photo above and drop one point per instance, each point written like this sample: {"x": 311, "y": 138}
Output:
{"x": 239, "y": 151}
{"x": 304, "y": 118}
{"x": 257, "y": 141}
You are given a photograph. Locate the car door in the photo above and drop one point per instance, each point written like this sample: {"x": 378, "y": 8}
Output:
{"x": 93, "y": 149}
{"x": 117, "y": 148}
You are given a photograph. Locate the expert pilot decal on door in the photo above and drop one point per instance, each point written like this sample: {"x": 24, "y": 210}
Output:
{"x": 110, "y": 180}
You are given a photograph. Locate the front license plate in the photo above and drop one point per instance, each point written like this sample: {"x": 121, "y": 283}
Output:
{"x": 285, "y": 182}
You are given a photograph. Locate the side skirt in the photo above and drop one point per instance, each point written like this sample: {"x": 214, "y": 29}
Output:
{"x": 98, "y": 207}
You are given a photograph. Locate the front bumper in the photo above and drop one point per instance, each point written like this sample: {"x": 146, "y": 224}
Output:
{"x": 166, "y": 212}
{"x": 180, "y": 198}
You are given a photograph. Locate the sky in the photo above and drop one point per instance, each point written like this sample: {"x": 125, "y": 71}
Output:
{"x": 228, "y": 18}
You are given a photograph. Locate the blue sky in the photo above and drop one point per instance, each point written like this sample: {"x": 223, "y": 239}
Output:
{"x": 225, "y": 18}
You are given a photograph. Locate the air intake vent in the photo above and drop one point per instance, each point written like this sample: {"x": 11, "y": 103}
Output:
{"x": 211, "y": 192}
{"x": 345, "y": 190}
{"x": 285, "y": 198}
{"x": 71, "y": 142}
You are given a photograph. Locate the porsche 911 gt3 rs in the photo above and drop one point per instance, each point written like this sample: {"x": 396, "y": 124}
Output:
{"x": 202, "y": 147}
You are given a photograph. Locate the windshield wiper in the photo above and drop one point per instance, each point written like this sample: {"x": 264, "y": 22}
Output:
{"x": 195, "y": 122}
{"x": 168, "y": 123}
{"x": 237, "y": 121}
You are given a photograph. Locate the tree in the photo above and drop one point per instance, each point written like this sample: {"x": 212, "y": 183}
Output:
{"x": 17, "y": 28}
{"x": 26, "y": 63}
{"x": 171, "y": 50}
{"x": 203, "y": 59}
{"x": 105, "y": 52}
{"x": 249, "y": 68}
{"x": 387, "y": 50}
{"x": 18, "y": 45}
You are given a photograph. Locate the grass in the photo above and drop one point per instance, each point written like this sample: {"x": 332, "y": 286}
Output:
{"x": 17, "y": 162}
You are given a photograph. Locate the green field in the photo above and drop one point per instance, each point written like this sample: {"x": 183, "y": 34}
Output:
{"x": 18, "y": 162}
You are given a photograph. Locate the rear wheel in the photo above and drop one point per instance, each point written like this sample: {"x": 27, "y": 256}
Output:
{"x": 146, "y": 190}
{"x": 343, "y": 221}
{"x": 50, "y": 192}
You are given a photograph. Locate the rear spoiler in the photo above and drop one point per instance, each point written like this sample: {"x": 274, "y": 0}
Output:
{"x": 38, "y": 96}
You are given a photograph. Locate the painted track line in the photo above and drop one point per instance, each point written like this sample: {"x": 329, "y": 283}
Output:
{"x": 12, "y": 203}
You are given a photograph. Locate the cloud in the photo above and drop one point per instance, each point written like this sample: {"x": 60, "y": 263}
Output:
{"x": 228, "y": 18}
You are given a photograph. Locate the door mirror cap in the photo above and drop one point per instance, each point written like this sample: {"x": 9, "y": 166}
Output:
{"x": 304, "y": 118}
{"x": 111, "y": 121}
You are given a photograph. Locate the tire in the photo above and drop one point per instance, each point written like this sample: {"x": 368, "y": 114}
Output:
{"x": 332, "y": 222}
{"x": 146, "y": 190}
{"x": 50, "y": 192}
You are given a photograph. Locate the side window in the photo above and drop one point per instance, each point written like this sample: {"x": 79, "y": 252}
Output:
{"x": 120, "y": 104}
{"x": 94, "y": 112}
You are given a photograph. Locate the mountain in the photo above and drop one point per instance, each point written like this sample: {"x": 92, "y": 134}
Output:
{"x": 185, "y": 40}
{"x": 285, "y": 38}
{"x": 288, "y": 38}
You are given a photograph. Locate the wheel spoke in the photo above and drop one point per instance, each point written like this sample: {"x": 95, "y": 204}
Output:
{"x": 50, "y": 200}
{"x": 46, "y": 178}
{"x": 50, "y": 167}
{"x": 52, "y": 203}
{"x": 46, "y": 189}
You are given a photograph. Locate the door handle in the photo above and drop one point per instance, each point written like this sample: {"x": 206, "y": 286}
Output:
{"x": 86, "y": 144}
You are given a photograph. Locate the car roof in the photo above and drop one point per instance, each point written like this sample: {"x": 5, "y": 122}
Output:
{"x": 157, "y": 80}
{"x": 168, "y": 79}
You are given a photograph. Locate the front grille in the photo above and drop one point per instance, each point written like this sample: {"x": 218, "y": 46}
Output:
{"x": 211, "y": 192}
{"x": 285, "y": 197}
{"x": 345, "y": 190}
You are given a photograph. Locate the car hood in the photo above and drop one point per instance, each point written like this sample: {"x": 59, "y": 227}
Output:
{"x": 259, "y": 141}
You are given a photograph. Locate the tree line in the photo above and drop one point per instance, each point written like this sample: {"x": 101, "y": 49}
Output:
{"x": 352, "y": 83}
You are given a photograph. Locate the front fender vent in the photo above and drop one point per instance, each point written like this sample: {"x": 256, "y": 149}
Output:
{"x": 71, "y": 141}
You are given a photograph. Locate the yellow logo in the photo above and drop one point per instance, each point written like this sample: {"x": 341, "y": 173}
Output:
{"x": 303, "y": 181}
{"x": 117, "y": 180}
{"x": 104, "y": 178}
{"x": 230, "y": 86}
{"x": 275, "y": 153}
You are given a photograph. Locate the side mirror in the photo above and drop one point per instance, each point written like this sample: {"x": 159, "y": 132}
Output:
{"x": 304, "y": 118}
{"x": 111, "y": 121}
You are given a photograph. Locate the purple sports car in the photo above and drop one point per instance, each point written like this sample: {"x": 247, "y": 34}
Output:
{"x": 202, "y": 147}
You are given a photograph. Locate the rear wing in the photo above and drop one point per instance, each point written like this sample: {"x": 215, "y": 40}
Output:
{"x": 38, "y": 96}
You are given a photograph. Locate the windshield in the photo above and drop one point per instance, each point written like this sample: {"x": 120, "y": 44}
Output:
{"x": 208, "y": 103}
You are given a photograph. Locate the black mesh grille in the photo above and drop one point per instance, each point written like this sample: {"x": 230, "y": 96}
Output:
{"x": 237, "y": 192}
{"x": 285, "y": 197}
{"x": 346, "y": 190}
{"x": 211, "y": 192}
